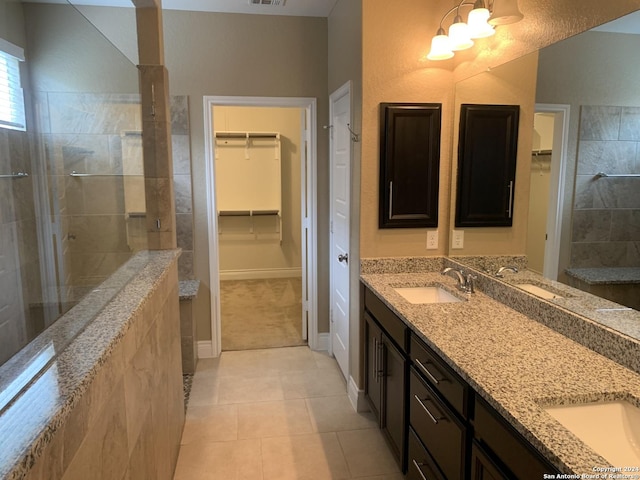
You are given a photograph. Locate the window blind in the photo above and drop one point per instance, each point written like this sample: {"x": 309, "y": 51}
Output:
{"x": 11, "y": 94}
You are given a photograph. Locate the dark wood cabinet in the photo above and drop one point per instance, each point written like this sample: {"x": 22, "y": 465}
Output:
{"x": 510, "y": 453}
{"x": 394, "y": 367}
{"x": 482, "y": 467}
{"x": 420, "y": 465}
{"x": 386, "y": 372}
{"x": 409, "y": 164}
{"x": 436, "y": 425}
{"x": 439, "y": 429}
{"x": 487, "y": 151}
{"x": 373, "y": 336}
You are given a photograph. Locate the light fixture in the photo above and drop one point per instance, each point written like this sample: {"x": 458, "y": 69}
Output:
{"x": 505, "y": 12}
{"x": 477, "y": 21}
{"x": 440, "y": 46}
{"x": 479, "y": 25}
{"x": 459, "y": 34}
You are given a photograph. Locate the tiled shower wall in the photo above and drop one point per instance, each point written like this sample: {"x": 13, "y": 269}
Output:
{"x": 20, "y": 284}
{"x": 181, "y": 153}
{"x": 606, "y": 215}
{"x": 97, "y": 222}
{"x": 102, "y": 220}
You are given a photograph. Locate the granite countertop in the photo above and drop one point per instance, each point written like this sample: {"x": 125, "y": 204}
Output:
{"x": 188, "y": 289}
{"x": 41, "y": 384}
{"x": 514, "y": 362}
{"x": 606, "y": 275}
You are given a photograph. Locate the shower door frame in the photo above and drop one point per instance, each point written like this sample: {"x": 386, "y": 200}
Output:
{"x": 309, "y": 174}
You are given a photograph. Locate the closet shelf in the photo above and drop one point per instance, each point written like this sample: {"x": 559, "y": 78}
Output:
{"x": 247, "y": 213}
{"x": 246, "y": 135}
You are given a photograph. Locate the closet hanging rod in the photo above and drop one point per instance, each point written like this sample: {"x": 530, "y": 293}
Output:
{"x": 602, "y": 174}
{"x": 15, "y": 175}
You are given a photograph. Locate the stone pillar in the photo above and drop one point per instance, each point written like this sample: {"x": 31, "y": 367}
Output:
{"x": 156, "y": 127}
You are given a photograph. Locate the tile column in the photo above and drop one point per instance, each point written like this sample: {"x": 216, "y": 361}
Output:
{"x": 156, "y": 127}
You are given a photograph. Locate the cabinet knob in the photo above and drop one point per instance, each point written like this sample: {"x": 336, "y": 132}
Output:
{"x": 343, "y": 258}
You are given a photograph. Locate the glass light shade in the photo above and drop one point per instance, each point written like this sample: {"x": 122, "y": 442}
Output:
{"x": 478, "y": 26}
{"x": 505, "y": 12}
{"x": 440, "y": 48}
{"x": 459, "y": 35}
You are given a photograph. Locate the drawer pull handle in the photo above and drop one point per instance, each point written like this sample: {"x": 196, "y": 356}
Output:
{"x": 429, "y": 374}
{"x": 418, "y": 465}
{"x": 431, "y": 415}
{"x": 380, "y": 372}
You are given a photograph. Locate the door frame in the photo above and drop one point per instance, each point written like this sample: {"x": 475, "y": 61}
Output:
{"x": 309, "y": 195}
{"x": 341, "y": 91}
{"x": 556, "y": 185}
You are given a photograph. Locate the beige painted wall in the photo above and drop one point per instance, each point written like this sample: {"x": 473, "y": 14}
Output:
{"x": 60, "y": 39}
{"x": 595, "y": 68}
{"x": 247, "y": 55}
{"x": 394, "y": 41}
{"x": 239, "y": 250}
{"x": 12, "y": 22}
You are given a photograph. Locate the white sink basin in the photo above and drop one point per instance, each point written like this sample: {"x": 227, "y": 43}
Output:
{"x": 611, "y": 429}
{"x": 418, "y": 295}
{"x": 538, "y": 291}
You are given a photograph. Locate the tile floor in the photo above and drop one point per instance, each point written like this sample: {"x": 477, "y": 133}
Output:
{"x": 279, "y": 413}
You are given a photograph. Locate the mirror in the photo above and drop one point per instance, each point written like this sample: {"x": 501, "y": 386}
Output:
{"x": 587, "y": 84}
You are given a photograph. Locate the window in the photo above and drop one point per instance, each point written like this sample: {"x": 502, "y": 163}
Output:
{"x": 11, "y": 95}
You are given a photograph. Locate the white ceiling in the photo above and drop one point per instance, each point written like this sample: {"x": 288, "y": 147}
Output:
{"x": 297, "y": 8}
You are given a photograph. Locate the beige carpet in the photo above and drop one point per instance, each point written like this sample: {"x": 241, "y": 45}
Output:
{"x": 261, "y": 313}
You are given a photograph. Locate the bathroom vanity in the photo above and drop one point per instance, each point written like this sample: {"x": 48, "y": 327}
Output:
{"x": 461, "y": 388}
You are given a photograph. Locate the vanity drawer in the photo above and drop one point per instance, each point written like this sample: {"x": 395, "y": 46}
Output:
{"x": 505, "y": 446}
{"x": 420, "y": 465}
{"x": 438, "y": 428}
{"x": 441, "y": 377}
{"x": 389, "y": 321}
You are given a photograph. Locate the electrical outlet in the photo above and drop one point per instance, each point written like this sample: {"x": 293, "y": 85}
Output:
{"x": 457, "y": 239}
{"x": 432, "y": 240}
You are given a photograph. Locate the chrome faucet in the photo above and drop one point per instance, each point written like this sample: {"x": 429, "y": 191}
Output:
{"x": 502, "y": 269}
{"x": 464, "y": 284}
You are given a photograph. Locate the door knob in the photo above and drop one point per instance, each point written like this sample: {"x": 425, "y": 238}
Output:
{"x": 343, "y": 258}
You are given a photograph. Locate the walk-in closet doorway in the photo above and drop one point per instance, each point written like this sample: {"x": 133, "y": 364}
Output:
{"x": 261, "y": 200}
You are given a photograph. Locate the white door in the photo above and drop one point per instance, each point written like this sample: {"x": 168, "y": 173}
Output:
{"x": 556, "y": 186}
{"x": 340, "y": 152}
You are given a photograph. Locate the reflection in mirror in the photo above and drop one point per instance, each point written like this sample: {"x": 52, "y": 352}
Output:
{"x": 588, "y": 122}
{"x": 75, "y": 209}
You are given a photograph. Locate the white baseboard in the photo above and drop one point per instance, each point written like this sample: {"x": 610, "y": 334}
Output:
{"x": 205, "y": 349}
{"x": 322, "y": 342}
{"x": 356, "y": 397}
{"x": 260, "y": 273}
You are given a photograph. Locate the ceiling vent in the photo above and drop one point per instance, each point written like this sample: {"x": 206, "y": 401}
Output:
{"x": 268, "y": 3}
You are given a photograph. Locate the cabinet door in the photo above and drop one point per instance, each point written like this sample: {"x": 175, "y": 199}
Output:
{"x": 482, "y": 468}
{"x": 487, "y": 152}
{"x": 393, "y": 417}
{"x": 409, "y": 164}
{"x": 373, "y": 364}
